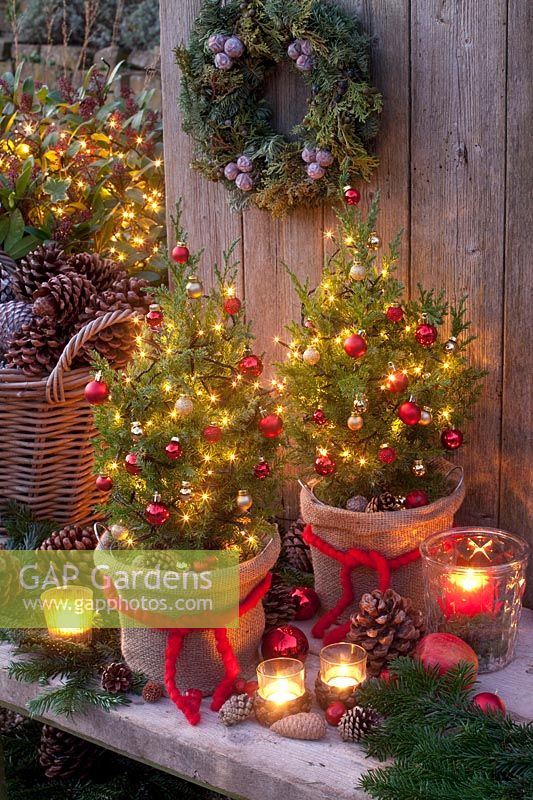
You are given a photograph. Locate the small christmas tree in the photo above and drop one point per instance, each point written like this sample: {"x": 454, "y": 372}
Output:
{"x": 189, "y": 438}
{"x": 375, "y": 391}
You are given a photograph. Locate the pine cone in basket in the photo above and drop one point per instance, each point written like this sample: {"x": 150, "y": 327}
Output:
{"x": 48, "y": 259}
{"x": 125, "y": 294}
{"x": 35, "y": 348}
{"x": 8, "y": 268}
{"x": 73, "y": 537}
{"x": 117, "y": 677}
{"x": 63, "y": 297}
{"x": 116, "y": 344}
{"x": 382, "y": 502}
{"x": 295, "y": 551}
{"x": 278, "y": 604}
{"x": 386, "y": 626}
{"x": 13, "y": 315}
{"x": 65, "y": 756}
{"x": 357, "y": 722}
{"x": 236, "y": 709}
{"x": 101, "y": 272}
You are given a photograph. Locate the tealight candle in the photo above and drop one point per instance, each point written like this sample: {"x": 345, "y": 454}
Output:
{"x": 342, "y": 670}
{"x": 281, "y": 690}
{"x": 68, "y": 611}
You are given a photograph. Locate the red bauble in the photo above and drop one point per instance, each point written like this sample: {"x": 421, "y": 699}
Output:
{"x": 488, "y": 701}
{"x": 397, "y": 382}
{"x": 388, "y": 676}
{"x": 451, "y": 438}
{"x": 156, "y": 512}
{"x": 409, "y": 413}
{"x": 130, "y": 462}
{"x": 319, "y": 418}
{"x": 306, "y": 601}
{"x": 444, "y": 651}
{"x": 104, "y": 483}
{"x": 174, "y": 450}
{"x": 426, "y": 334}
{"x": 155, "y": 316}
{"x": 251, "y": 365}
{"x": 416, "y": 499}
{"x": 335, "y": 712}
{"x": 355, "y": 345}
{"x": 394, "y": 313}
{"x": 285, "y": 641}
{"x": 387, "y": 454}
{"x": 325, "y": 465}
{"x": 180, "y": 253}
{"x": 271, "y": 426}
{"x": 212, "y": 433}
{"x": 232, "y": 305}
{"x": 262, "y": 470}
{"x": 351, "y": 195}
{"x": 96, "y": 392}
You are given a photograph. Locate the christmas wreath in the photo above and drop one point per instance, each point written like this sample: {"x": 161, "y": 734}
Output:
{"x": 233, "y": 49}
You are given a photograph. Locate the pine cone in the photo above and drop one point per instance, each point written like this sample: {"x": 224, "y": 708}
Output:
{"x": 357, "y": 722}
{"x": 152, "y": 692}
{"x": 8, "y": 268}
{"x": 116, "y": 344}
{"x": 101, "y": 272}
{"x": 35, "y": 348}
{"x": 236, "y": 709}
{"x": 295, "y": 551}
{"x": 73, "y": 537}
{"x": 13, "y": 315}
{"x": 278, "y": 604}
{"x": 10, "y": 720}
{"x": 309, "y": 726}
{"x": 65, "y": 756}
{"x": 382, "y": 502}
{"x": 48, "y": 259}
{"x": 63, "y": 297}
{"x": 117, "y": 677}
{"x": 386, "y": 626}
{"x": 125, "y": 294}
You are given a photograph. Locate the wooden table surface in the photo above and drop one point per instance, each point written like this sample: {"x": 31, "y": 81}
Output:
{"x": 248, "y": 761}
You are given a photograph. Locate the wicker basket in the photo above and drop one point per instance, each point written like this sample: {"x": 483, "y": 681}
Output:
{"x": 46, "y": 455}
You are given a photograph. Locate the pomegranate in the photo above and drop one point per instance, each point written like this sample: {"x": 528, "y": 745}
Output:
{"x": 445, "y": 651}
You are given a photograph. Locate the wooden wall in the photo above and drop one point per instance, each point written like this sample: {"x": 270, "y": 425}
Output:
{"x": 456, "y": 174}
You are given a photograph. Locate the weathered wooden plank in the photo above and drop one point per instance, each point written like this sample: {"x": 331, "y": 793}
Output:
{"x": 516, "y": 497}
{"x": 457, "y": 210}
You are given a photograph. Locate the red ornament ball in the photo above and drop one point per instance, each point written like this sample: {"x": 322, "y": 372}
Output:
{"x": 212, "y": 433}
{"x": 131, "y": 465}
{"x": 387, "y": 455}
{"x": 271, "y": 426}
{"x": 104, "y": 483}
{"x": 155, "y": 316}
{"x": 96, "y": 392}
{"x": 174, "y": 450}
{"x": 285, "y": 641}
{"x": 156, "y": 512}
{"x": 232, "y": 305}
{"x": 397, "y": 382}
{"x": 352, "y": 196}
{"x": 262, "y": 470}
{"x": 451, "y": 438}
{"x": 355, "y": 345}
{"x": 416, "y": 499}
{"x": 335, "y": 712}
{"x": 394, "y": 313}
{"x": 251, "y": 366}
{"x": 488, "y": 701}
{"x": 180, "y": 253}
{"x": 426, "y": 334}
{"x": 319, "y": 418}
{"x": 306, "y": 601}
{"x": 324, "y": 465}
{"x": 409, "y": 413}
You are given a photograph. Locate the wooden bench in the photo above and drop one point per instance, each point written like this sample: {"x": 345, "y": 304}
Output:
{"x": 248, "y": 761}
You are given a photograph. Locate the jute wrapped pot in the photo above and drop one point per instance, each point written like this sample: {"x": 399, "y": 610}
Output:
{"x": 391, "y": 533}
{"x": 46, "y": 450}
{"x": 199, "y": 664}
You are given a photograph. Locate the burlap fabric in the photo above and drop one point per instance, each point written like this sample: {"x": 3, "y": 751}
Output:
{"x": 199, "y": 665}
{"x": 391, "y": 533}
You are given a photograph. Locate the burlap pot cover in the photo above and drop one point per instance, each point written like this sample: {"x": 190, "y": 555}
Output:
{"x": 391, "y": 533}
{"x": 199, "y": 665}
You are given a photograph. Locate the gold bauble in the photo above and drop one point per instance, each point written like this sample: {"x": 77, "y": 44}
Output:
{"x": 194, "y": 288}
{"x": 355, "y": 422}
{"x": 311, "y": 356}
{"x": 136, "y": 430}
{"x": 244, "y": 500}
{"x": 357, "y": 271}
{"x": 419, "y": 468}
{"x": 426, "y": 417}
{"x": 374, "y": 240}
{"x": 119, "y": 532}
{"x": 184, "y": 405}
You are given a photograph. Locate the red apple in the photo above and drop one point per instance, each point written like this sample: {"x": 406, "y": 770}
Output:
{"x": 335, "y": 712}
{"x": 445, "y": 651}
{"x": 488, "y": 701}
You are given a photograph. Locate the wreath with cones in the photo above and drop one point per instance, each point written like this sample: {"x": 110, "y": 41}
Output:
{"x": 233, "y": 50}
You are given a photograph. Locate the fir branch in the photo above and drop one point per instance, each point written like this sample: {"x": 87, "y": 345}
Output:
{"x": 73, "y": 697}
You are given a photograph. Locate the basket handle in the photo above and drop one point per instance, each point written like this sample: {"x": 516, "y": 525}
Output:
{"x": 55, "y": 390}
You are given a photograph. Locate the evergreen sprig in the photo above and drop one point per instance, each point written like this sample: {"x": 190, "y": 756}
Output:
{"x": 444, "y": 747}
{"x": 24, "y": 530}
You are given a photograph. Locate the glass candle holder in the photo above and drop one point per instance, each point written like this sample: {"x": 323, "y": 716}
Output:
{"x": 342, "y": 670}
{"x": 68, "y": 611}
{"x": 281, "y": 690}
{"x": 474, "y": 582}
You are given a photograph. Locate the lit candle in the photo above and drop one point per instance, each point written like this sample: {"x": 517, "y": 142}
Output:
{"x": 343, "y": 665}
{"x": 68, "y": 611}
{"x": 280, "y": 680}
{"x": 470, "y": 592}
